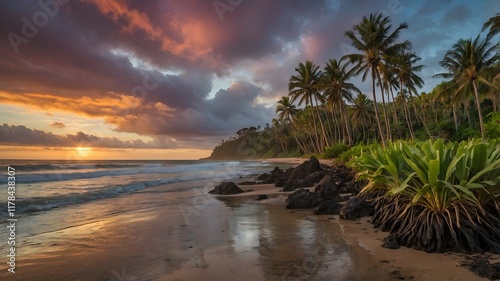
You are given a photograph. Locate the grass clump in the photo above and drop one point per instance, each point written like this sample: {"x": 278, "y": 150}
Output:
{"x": 435, "y": 196}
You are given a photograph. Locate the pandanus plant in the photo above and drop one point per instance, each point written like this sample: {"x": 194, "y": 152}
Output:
{"x": 435, "y": 196}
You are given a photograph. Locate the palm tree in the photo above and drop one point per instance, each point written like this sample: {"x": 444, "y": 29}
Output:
{"x": 337, "y": 89}
{"x": 303, "y": 86}
{"x": 361, "y": 111}
{"x": 376, "y": 44}
{"x": 493, "y": 24}
{"x": 467, "y": 64}
{"x": 408, "y": 78}
{"x": 287, "y": 113}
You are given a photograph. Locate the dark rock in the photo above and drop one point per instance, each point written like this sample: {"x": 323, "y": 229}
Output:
{"x": 317, "y": 176}
{"x": 327, "y": 188}
{"x": 355, "y": 208}
{"x": 226, "y": 188}
{"x": 302, "y": 199}
{"x": 329, "y": 207}
{"x": 276, "y": 172}
{"x": 261, "y": 197}
{"x": 314, "y": 165}
{"x": 263, "y": 176}
{"x": 300, "y": 172}
{"x": 283, "y": 179}
{"x": 295, "y": 184}
{"x": 305, "y": 169}
{"x": 481, "y": 266}
{"x": 390, "y": 242}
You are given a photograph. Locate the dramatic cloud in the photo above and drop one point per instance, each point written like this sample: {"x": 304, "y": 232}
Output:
{"x": 151, "y": 67}
{"x": 20, "y": 135}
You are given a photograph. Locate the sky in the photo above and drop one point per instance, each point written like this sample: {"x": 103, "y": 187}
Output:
{"x": 165, "y": 79}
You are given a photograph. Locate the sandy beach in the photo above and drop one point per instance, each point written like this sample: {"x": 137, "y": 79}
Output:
{"x": 403, "y": 263}
{"x": 178, "y": 231}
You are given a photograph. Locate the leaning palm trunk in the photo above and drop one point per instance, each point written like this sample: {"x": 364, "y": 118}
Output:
{"x": 346, "y": 122}
{"x": 386, "y": 120}
{"x": 396, "y": 121}
{"x": 316, "y": 134}
{"x": 377, "y": 117}
{"x": 324, "y": 140}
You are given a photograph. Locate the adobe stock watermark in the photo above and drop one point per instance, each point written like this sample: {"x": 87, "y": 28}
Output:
{"x": 310, "y": 266}
{"x": 221, "y": 7}
{"x": 39, "y": 19}
{"x": 123, "y": 276}
{"x": 394, "y": 7}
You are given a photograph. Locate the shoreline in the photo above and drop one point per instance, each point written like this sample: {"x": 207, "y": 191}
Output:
{"x": 403, "y": 263}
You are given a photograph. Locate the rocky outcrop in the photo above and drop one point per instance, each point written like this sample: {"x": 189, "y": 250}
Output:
{"x": 302, "y": 199}
{"x": 305, "y": 169}
{"x": 329, "y": 207}
{"x": 355, "y": 208}
{"x": 226, "y": 188}
{"x": 328, "y": 189}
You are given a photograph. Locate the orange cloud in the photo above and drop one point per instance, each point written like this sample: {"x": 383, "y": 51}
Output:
{"x": 115, "y": 104}
{"x": 193, "y": 46}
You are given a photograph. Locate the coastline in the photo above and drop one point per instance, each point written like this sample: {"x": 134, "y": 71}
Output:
{"x": 403, "y": 263}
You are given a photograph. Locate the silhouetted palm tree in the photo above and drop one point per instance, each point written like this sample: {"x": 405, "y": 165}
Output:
{"x": 303, "y": 86}
{"x": 337, "y": 90}
{"x": 467, "y": 63}
{"x": 376, "y": 43}
{"x": 287, "y": 113}
{"x": 493, "y": 24}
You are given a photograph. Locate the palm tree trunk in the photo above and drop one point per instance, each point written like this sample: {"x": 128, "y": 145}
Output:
{"x": 377, "y": 117}
{"x": 325, "y": 139}
{"x": 386, "y": 120}
{"x": 347, "y": 125}
{"x": 478, "y": 105}
{"x": 316, "y": 133}
{"x": 396, "y": 121}
{"x": 455, "y": 119}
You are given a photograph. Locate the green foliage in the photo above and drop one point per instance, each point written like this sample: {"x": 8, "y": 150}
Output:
{"x": 465, "y": 133}
{"x": 334, "y": 151}
{"x": 492, "y": 127}
{"x": 436, "y": 196}
{"x": 354, "y": 151}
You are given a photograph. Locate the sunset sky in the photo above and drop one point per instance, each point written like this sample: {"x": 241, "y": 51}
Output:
{"x": 122, "y": 79}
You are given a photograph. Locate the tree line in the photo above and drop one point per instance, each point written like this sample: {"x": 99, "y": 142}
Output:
{"x": 324, "y": 108}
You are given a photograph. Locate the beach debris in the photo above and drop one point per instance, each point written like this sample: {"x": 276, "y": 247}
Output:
{"x": 226, "y": 188}
{"x": 391, "y": 242}
{"x": 302, "y": 199}
{"x": 329, "y": 207}
{"x": 355, "y": 208}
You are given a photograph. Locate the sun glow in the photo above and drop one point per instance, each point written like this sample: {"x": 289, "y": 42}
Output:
{"x": 83, "y": 151}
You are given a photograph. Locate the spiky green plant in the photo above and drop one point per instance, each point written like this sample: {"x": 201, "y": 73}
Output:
{"x": 436, "y": 196}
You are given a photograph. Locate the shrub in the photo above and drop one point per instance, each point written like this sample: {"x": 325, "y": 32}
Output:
{"x": 435, "y": 196}
{"x": 334, "y": 151}
{"x": 492, "y": 127}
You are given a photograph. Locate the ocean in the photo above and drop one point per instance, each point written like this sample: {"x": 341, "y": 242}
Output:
{"x": 44, "y": 185}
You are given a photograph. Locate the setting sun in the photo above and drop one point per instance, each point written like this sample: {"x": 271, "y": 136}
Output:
{"x": 83, "y": 151}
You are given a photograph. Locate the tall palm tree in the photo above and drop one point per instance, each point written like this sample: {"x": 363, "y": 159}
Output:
{"x": 362, "y": 111}
{"x": 493, "y": 24}
{"x": 467, "y": 63}
{"x": 408, "y": 78}
{"x": 287, "y": 113}
{"x": 372, "y": 37}
{"x": 337, "y": 90}
{"x": 303, "y": 86}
